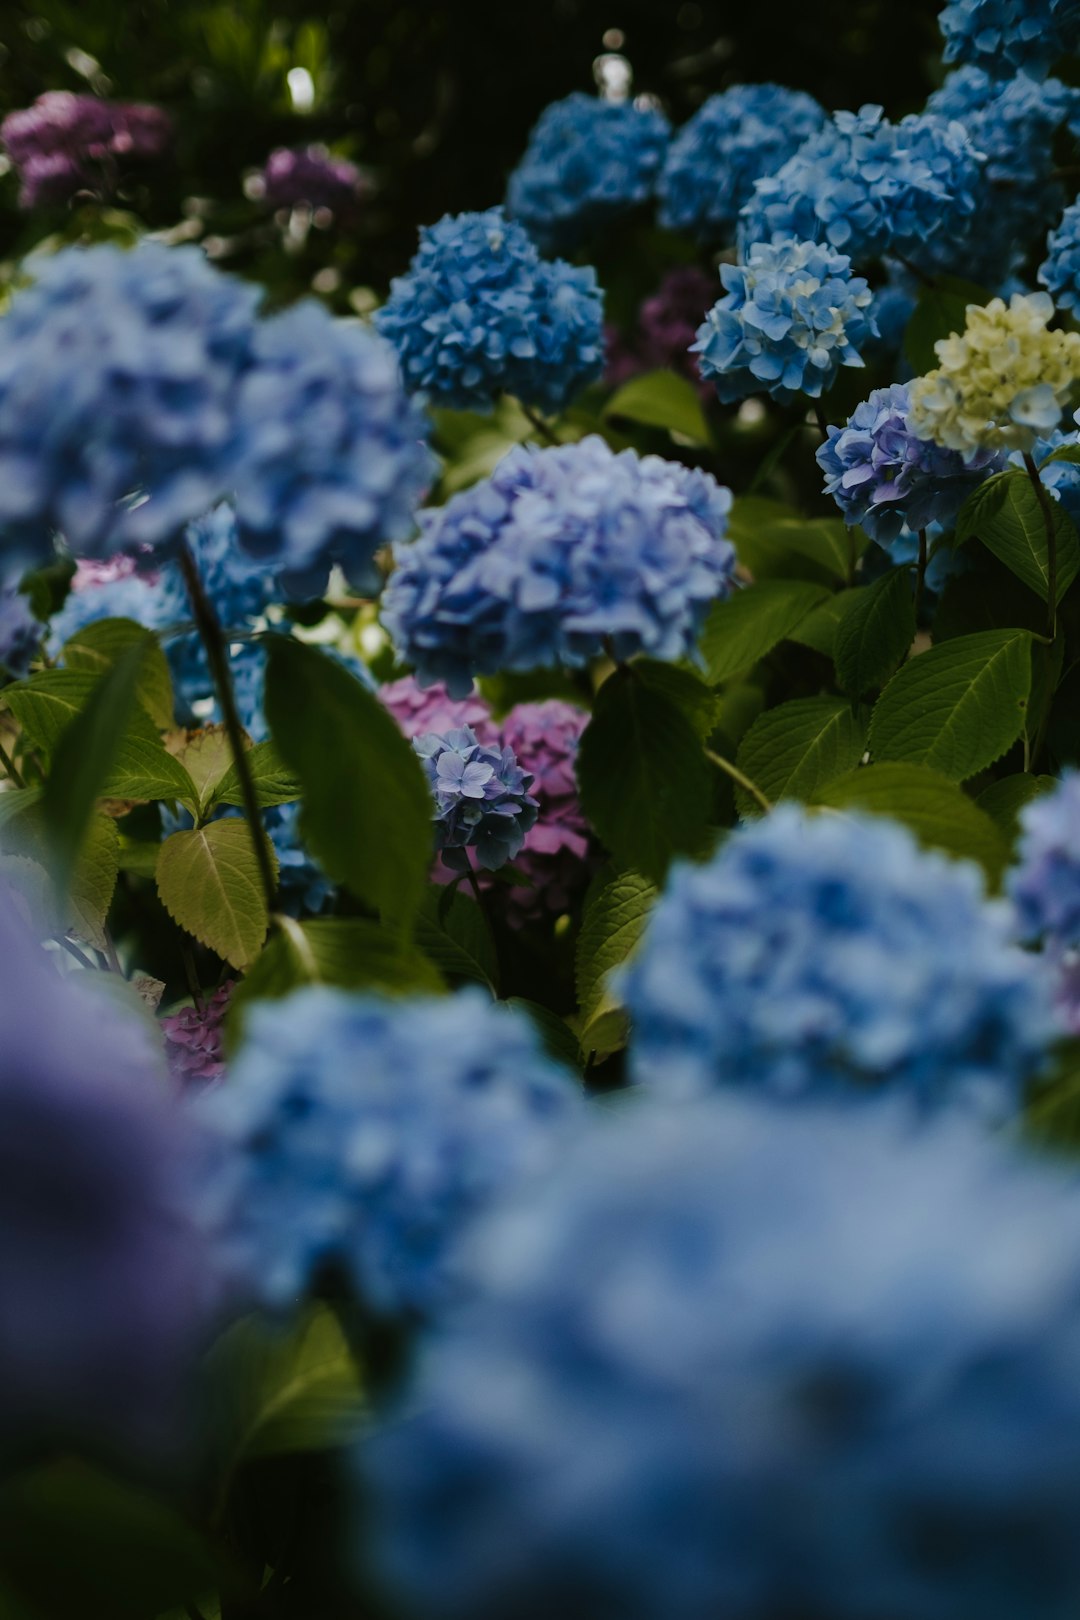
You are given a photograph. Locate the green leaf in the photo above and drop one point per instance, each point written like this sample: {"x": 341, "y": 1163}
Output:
{"x": 93, "y": 881}
{"x": 280, "y": 1390}
{"x": 1065, "y": 452}
{"x": 206, "y": 756}
{"x": 1005, "y": 514}
{"x": 367, "y": 812}
{"x": 938, "y": 812}
{"x": 662, "y": 399}
{"x": 451, "y": 932}
{"x": 556, "y": 1036}
{"x": 96, "y": 647}
{"x": 751, "y": 623}
{"x": 614, "y": 921}
{"x": 352, "y": 953}
{"x": 819, "y": 629}
{"x": 46, "y": 704}
{"x": 14, "y": 801}
{"x": 940, "y": 311}
{"x": 792, "y": 750}
{"x": 958, "y": 707}
{"x": 1003, "y": 801}
{"x": 685, "y": 689}
{"x": 642, "y": 775}
{"x": 875, "y": 635}
{"x": 772, "y": 542}
{"x": 273, "y": 783}
{"x": 144, "y": 769}
{"x": 208, "y": 880}
{"x": 82, "y": 759}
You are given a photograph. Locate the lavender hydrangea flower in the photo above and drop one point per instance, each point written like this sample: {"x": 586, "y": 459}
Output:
{"x": 884, "y": 478}
{"x": 21, "y": 632}
{"x": 358, "y": 1137}
{"x": 481, "y": 796}
{"x": 821, "y": 955}
{"x": 732, "y": 1361}
{"x": 480, "y": 313}
{"x": 868, "y": 188}
{"x": 793, "y": 315}
{"x": 556, "y": 554}
{"x": 195, "y": 1039}
{"x": 118, "y": 375}
{"x": 311, "y": 176}
{"x": 102, "y": 1274}
{"x": 667, "y": 323}
{"x": 544, "y": 738}
{"x": 1004, "y": 35}
{"x": 733, "y": 139}
{"x": 1060, "y": 270}
{"x": 66, "y": 143}
{"x": 332, "y": 459}
{"x": 587, "y": 161}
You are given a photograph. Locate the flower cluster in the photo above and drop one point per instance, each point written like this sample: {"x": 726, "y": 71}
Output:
{"x": 733, "y": 139}
{"x": 1061, "y": 479}
{"x": 66, "y": 143}
{"x": 1013, "y": 122}
{"x": 867, "y": 188}
{"x": 586, "y": 162}
{"x": 332, "y": 459}
{"x": 355, "y": 1138}
{"x": 480, "y": 313}
{"x": 793, "y": 315}
{"x": 885, "y": 478}
{"x": 481, "y": 796}
{"x": 311, "y": 177}
{"x": 823, "y": 955}
{"x": 544, "y": 738}
{"x": 419, "y": 709}
{"x": 1002, "y": 382}
{"x": 667, "y": 323}
{"x": 106, "y": 1276}
{"x": 730, "y": 1362}
{"x": 1044, "y": 885}
{"x": 1060, "y": 270}
{"x": 558, "y": 554}
{"x": 1004, "y": 35}
{"x": 21, "y": 632}
{"x": 195, "y": 1039}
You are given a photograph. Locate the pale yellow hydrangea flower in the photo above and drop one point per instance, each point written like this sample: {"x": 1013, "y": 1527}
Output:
{"x": 1002, "y": 383}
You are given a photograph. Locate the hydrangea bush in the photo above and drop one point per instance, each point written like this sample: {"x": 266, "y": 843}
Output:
{"x": 539, "y": 899}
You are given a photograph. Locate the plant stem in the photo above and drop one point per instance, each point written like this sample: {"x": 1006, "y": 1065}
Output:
{"x": 1051, "y": 544}
{"x": 547, "y": 433}
{"x": 819, "y": 418}
{"x": 11, "y": 770}
{"x": 217, "y": 652}
{"x": 73, "y": 950}
{"x": 920, "y": 575}
{"x": 736, "y": 775}
{"x": 481, "y": 901}
{"x": 110, "y": 953}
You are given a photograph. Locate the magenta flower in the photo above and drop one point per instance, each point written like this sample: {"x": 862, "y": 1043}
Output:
{"x": 311, "y": 175}
{"x": 66, "y": 143}
{"x": 194, "y": 1040}
{"x": 420, "y": 709}
{"x": 556, "y": 853}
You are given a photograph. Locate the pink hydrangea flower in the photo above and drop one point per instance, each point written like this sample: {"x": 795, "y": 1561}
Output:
{"x": 545, "y": 737}
{"x": 194, "y": 1040}
{"x": 419, "y": 709}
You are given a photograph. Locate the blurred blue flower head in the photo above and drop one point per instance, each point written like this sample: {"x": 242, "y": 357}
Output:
{"x": 884, "y": 478}
{"x": 1060, "y": 270}
{"x": 1044, "y": 884}
{"x": 481, "y": 796}
{"x": 793, "y": 315}
{"x": 868, "y": 188}
{"x": 21, "y": 632}
{"x": 830, "y": 955}
{"x": 479, "y": 313}
{"x": 557, "y": 555}
{"x": 357, "y": 1137}
{"x": 733, "y": 139}
{"x": 735, "y": 1361}
{"x": 587, "y": 161}
{"x": 1004, "y": 35}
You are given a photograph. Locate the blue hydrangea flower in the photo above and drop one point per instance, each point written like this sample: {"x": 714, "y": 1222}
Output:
{"x": 1060, "y": 270}
{"x": 823, "y": 954}
{"x": 332, "y": 458}
{"x": 1060, "y": 478}
{"x": 357, "y": 1137}
{"x": 118, "y": 378}
{"x": 1044, "y": 884}
{"x": 732, "y": 1361}
{"x": 1004, "y": 35}
{"x": 1013, "y": 122}
{"x": 21, "y": 632}
{"x": 793, "y": 315}
{"x": 586, "y": 162}
{"x": 890, "y": 310}
{"x": 480, "y": 313}
{"x": 733, "y": 139}
{"x": 867, "y": 188}
{"x": 102, "y": 1276}
{"x": 557, "y": 554}
{"x": 304, "y": 890}
{"x": 883, "y": 477}
{"x": 481, "y": 796}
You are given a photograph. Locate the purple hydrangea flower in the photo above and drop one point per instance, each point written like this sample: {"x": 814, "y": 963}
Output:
{"x": 195, "y": 1039}
{"x": 481, "y": 796}
{"x": 883, "y": 477}
{"x": 544, "y": 737}
{"x": 311, "y": 176}
{"x": 66, "y": 143}
{"x": 559, "y": 553}
{"x": 793, "y": 315}
{"x": 479, "y": 313}
{"x": 101, "y": 1276}
{"x": 667, "y": 323}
